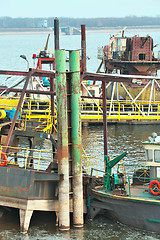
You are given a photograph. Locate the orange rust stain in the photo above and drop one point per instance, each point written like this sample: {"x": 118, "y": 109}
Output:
{"x": 6, "y": 189}
{"x": 22, "y": 189}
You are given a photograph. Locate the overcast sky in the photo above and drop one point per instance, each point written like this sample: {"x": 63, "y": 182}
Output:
{"x": 79, "y": 8}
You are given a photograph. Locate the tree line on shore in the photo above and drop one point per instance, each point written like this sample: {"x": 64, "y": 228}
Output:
{"x": 8, "y": 22}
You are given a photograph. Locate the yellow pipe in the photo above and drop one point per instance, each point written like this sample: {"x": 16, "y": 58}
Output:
{"x": 2, "y": 114}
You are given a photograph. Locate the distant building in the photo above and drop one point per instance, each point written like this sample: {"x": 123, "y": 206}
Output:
{"x": 42, "y": 23}
{"x": 45, "y": 23}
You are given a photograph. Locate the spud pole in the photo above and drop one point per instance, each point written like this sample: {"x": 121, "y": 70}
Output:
{"x": 74, "y": 62}
{"x": 62, "y": 145}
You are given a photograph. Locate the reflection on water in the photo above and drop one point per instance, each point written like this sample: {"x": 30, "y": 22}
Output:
{"x": 100, "y": 228}
{"x": 120, "y": 138}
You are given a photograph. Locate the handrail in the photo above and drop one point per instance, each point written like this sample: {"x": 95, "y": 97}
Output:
{"x": 23, "y": 155}
{"x": 86, "y": 162}
{"x": 90, "y": 110}
{"x": 121, "y": 110}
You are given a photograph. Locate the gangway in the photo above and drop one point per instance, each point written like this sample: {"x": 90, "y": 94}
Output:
{"x": 120, "y": 111}
{"x": 92, "y": 111}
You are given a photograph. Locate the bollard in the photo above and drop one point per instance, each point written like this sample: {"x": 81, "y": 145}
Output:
{"x": 74, "y": 62}
{"x": 62, "y": 145}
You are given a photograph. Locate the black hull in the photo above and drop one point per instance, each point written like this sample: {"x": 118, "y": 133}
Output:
{"x": 134, "y": 212}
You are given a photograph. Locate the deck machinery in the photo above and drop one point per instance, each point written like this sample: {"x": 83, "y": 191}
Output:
{"x": 132, "y": 56}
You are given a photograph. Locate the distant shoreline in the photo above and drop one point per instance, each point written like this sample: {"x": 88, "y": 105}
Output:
{"x": 28, "y": 31}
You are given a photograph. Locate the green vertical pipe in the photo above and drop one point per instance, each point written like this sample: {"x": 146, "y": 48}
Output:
{"x": 74, "y": 63}
{"x": 62, "y": 145}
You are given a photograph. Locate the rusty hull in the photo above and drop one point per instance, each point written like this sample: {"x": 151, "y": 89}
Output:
{"x": 27, "y": 184}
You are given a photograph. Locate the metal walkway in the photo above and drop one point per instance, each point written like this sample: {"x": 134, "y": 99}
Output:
{"x": 120, "y": 110}
{"x": 92, "y": 111}
{"x": 39, "y": 112}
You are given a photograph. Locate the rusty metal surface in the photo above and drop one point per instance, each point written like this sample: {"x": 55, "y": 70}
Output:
{"x": 74, "y": 63}
{"x": 18, "y": 109}
{"x": 27, "y": 91}
{"x": 83, "y": 46}
{"x": 52, "y": 102}
{"x": 23, "y": 91}
{"x": 104, "y": 77}
{"x": 37, "y": 73}
{"x": 56, "y": 34}
{"x": 105, "y": 133}
{"x": 27, "y": 184}
{"x": 62, "y": 145}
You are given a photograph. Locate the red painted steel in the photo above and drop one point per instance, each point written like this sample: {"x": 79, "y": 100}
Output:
{"x": 56, "y": 34}
{"x": 106, "y": 78}
{"x": 27, "y": 91}
{"x": 52, "y": 101}
{"x": 105, "y": 133}
{"x": 83, "y": 46}
{"x": 37, "y": 73}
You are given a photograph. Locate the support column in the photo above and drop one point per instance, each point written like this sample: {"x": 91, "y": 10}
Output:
{"x": 74, "y": 61}
{"x": 83, "y": 58}
{"x": 83, "y": 46}
{"x": 56, "y": 33}
{"x": 52, "y": 104}
{"x": 105, "y": 132}
{"x": 25, "y": 217}
{"x": 62, "y": 145}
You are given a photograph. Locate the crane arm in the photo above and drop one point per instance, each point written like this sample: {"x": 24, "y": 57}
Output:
{"x": 46, "y": 46}
{"x": 112, "y": 38}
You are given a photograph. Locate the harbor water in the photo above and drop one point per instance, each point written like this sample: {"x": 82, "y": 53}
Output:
{"x": 121, "y": 138}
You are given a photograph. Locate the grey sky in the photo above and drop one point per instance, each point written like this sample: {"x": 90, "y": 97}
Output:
{"x": 78, "y": 9}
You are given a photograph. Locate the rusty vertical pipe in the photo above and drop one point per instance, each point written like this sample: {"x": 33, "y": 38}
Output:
{"x": 74, "y": 64}
{"x": 105, "y": 133}
{"x": 83, "y": 46}
{"x": 52, "y": 102}
{"x": 83, "y": 58}
{"x": 62, "y": 145}
{"x": 56, "y": 34}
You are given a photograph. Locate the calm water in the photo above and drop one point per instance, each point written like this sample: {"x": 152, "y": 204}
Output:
{"x": 120, "y": 138}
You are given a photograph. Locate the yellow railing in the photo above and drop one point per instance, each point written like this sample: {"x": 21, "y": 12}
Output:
{"x": 28, "y": 158}
{"x": 40, "y": 159}
{"x": 93, "y": 110}
{"x": 90, "y": 162}
{"x": 36, "y": 109}
{"x": 39, "y": 111}
{"x": 119, "y": 110}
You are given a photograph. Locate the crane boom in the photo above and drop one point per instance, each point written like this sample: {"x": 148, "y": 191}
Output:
{"x": 46, "y": 46}
{"x": 112, "y": 40}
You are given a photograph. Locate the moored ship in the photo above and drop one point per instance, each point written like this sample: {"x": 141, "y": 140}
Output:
{"x": 132, "y": 56}
{"x": 132, "y": 200}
